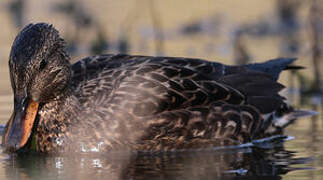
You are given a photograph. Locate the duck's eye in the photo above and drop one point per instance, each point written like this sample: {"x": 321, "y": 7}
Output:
{"x": 42, "y": 65}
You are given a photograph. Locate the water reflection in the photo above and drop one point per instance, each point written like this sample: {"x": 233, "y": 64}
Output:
{"x": 224, "y": 164}
{"x": 285, "y": 31}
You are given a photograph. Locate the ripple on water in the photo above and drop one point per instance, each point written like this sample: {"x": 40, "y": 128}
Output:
{"x": 245, "y": 160}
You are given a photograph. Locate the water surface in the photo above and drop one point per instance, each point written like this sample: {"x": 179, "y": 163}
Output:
{"x": 200, "y": 29}
{"x": 292, "y": 157}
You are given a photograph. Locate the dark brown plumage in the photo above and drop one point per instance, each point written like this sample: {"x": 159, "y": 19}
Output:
{"x": 123, "y": 102}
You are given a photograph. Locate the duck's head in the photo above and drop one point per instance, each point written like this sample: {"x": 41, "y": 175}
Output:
{"x": 39, "y": 72}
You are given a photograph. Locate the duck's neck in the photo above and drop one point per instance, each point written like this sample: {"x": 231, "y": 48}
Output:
{"x": 54, "y": 120}
{"x": 66, "y": 107}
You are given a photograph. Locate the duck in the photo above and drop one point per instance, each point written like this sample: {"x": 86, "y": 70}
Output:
{"x": 117, "y": 102}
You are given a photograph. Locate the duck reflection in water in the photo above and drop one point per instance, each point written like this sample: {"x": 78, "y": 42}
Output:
{"x": 228, "y": 164}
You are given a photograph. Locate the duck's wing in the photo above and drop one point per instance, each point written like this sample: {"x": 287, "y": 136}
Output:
{"x": 136, "y": 93}
{"x": 170, "y": 82}
{"x": 190, "y": 80}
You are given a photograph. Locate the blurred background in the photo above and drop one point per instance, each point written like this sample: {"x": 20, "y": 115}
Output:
{"x": 227, "y": 31}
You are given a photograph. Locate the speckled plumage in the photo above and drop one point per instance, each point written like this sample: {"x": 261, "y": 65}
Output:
{"x": 123, "y": 102}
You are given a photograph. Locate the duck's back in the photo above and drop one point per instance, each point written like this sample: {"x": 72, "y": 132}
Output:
{"x": 164, "y": 102}
{"x": 172, "y": 83}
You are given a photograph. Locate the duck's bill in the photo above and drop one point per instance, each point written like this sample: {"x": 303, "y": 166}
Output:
{"x": 20, "y": 125}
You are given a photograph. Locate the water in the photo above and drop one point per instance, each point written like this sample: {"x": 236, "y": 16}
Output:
{"x": 280, "y": 157}
{"x": 201, "y": 29}
{"x": 243, "y": 162}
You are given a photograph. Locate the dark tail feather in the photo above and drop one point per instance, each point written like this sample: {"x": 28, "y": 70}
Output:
{"x": 294, "y": 67}
{"x": 274, "y": 67}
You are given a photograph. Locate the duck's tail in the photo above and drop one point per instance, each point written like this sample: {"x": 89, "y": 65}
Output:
{"x": 274, "y": 67}
{"x": 277, "y": 115}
